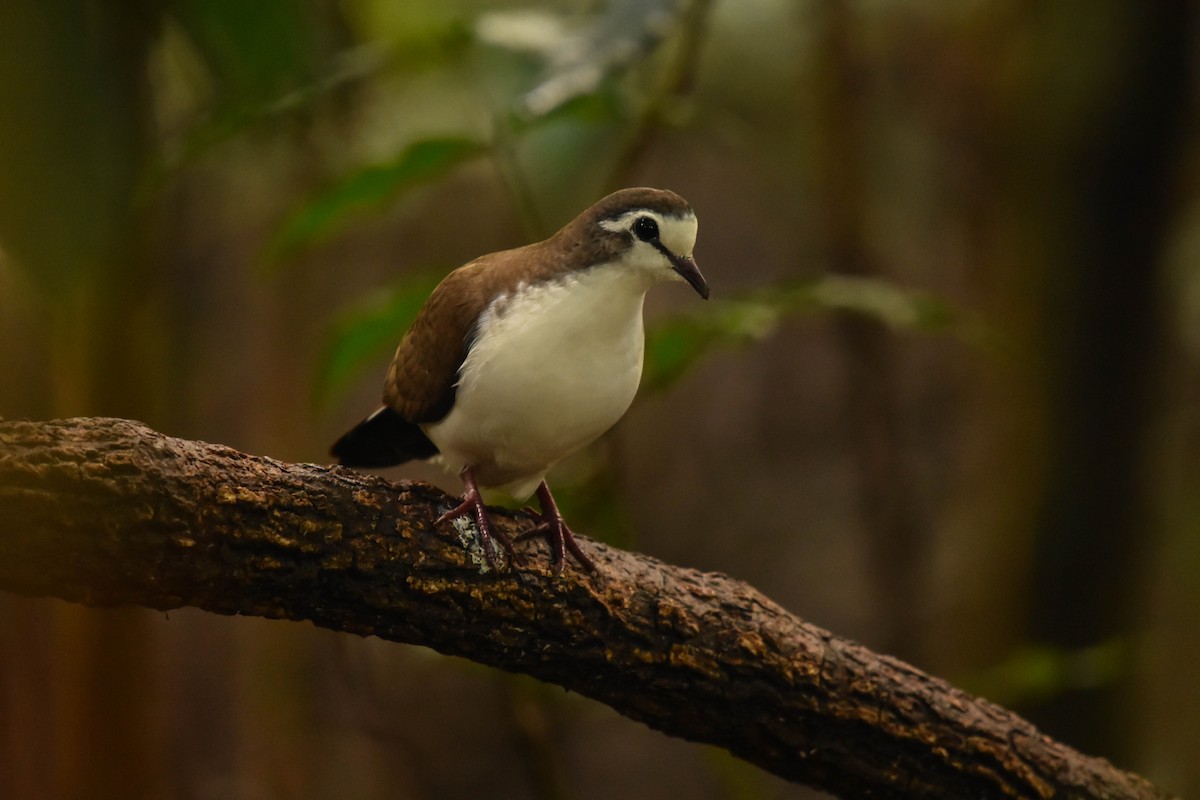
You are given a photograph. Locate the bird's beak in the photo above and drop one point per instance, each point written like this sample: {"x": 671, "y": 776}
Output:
{"x": 687, "y": 269}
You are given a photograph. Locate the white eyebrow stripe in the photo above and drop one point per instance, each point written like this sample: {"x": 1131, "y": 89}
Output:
{"x": 622, "y": 222}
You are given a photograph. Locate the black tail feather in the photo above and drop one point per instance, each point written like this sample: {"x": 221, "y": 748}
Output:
{"x": 382, "y": 440}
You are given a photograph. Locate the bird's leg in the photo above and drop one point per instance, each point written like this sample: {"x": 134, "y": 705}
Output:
{"x": 554, "y": 528}
{"x": 473, "y": 504}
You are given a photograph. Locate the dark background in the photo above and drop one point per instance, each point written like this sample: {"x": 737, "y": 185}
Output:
{"x": 943, "y": 401}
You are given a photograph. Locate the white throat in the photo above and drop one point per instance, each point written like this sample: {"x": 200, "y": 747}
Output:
{"x": 553, "y": 366}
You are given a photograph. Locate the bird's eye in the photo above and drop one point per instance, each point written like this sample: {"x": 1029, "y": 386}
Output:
{"x": 645, "y": 229}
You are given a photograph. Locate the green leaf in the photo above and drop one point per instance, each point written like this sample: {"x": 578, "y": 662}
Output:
{"x": 367, "y": 189}
{"x": 366, "y": 334}
{"x": 671, "y": 348}
{"x": 881, "y": 300}
{"x": 1036, "y": 673}
{"x": 255, "y": 51}
{"x": 675, "y": 344}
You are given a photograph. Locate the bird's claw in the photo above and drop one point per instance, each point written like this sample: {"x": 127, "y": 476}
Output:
{"x": 472, "y": 505}
{"x": 562, "y": 541}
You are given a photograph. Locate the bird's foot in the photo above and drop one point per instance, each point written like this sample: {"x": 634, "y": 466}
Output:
{"x": 555, "y": 529}
{"x": 472, "y": 504}
{"x": 561, "y": 540}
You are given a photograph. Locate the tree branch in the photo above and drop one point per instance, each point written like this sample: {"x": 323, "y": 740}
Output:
{"x": 108, "y": 512}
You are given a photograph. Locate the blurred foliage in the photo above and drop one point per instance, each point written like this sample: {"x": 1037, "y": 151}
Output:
{"x": 72, "y": 160}
{"x": 675, "y": 344}
{"x": 368, "y": 189}
{"x": 1036, "y": 673}
{"x": 67, "y": 165}
{"x": 578, "y": 61}
{"x": 366, "y": 332}
{"x": 255, "y": 52}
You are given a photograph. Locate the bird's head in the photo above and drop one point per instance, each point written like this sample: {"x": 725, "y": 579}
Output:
{"x": 652, "y": 230}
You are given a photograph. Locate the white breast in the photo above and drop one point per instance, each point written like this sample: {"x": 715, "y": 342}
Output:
{"x": 553, "y": 366}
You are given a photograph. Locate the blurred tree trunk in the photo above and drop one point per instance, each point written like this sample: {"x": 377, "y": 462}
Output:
{"x": 1094, "y": 137}
{"x": 72, "y": 148}
{"x": 891, "y": 518}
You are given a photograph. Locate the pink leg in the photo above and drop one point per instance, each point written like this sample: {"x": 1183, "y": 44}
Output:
{"x": 554, "y": 528}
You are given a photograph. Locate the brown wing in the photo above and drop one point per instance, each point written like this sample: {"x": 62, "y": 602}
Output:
{"x": 420, "y": 383}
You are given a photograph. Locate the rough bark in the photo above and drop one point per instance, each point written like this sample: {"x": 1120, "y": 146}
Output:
{"x": 108, "y": 512}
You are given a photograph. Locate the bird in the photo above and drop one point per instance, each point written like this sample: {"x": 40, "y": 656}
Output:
{"x": 522, "y": 357}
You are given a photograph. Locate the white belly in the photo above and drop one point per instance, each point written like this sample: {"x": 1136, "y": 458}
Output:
{"x": 552, "y": 368}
